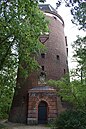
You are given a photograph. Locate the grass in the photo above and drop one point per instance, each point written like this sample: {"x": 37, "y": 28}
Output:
{"x": 2, "y": 126}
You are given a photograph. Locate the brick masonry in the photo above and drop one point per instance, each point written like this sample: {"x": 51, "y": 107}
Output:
{"x": 35, "y": 97}
{"x": 56, "y": 45}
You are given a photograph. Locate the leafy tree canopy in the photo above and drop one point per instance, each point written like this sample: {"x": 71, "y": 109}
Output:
{"x": 78, "y": 11}
{"x": 73, "y": 92}
{"x": 21, "y": 23}
{"x": 79, "y": 56}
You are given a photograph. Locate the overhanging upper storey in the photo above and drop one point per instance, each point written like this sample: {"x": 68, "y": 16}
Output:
{"x": 47, "y": 8}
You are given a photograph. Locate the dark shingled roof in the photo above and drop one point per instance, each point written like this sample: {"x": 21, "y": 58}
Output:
{"x": 47, "y": 7}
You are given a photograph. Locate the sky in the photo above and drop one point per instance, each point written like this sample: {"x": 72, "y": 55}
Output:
{"x": 70, "y": 29}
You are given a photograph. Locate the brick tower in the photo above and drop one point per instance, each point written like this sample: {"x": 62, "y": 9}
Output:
{"x": 35, "y": 102}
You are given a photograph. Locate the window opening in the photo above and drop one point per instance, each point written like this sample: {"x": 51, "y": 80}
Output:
{"x": 57, "y": 57}
{"x": 64, "y": 71}
{"x": 42, "y": 68}
{"x": 66, "y": 61}
{"x": 55, "y": 18}
{"x": 43, "y": 55}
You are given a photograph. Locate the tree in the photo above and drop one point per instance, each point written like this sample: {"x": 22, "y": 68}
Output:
{"x": 72, "y": 92}
{"x": 7, "y": 85}
{"x": 21, "y": 24}
{"x": 79, "y": 14}
{"x": 78, "y": 11}
{"x": 79, "y": 56}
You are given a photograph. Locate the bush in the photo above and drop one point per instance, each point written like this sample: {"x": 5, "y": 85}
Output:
{"x": 70, "y": 120}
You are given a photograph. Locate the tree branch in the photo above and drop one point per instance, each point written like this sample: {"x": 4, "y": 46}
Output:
{"x": 6, "y": 54}
{"x": 5, "y": 39}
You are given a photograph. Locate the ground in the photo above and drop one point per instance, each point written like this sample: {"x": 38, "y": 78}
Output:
{"x": 9, "y": 125}
{"x": 30, "y": 127}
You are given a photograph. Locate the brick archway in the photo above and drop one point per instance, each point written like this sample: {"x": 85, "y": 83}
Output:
{"x": 46, "y": 95}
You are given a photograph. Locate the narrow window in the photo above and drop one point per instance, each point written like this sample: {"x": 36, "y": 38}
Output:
{"x": 66, "y": 61}
{"x": 64, "y": 71}
{"x": 55, "y": 18}
{"x": 57, "y": 56}
{"x": 67, "y": 50}
{"x": 66, "y": 40}
{"x": 43, "y": 55}
{"x": 43, "y": 68}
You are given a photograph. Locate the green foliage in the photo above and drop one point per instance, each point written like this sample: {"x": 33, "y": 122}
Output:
{"x": 79, "y": 56}
{"x": 2, "y": 126}
{"x": 70, "y": 120}
{"x": 73, "y": 92}
{"x": 79, "y": 14}
{"x": 79, "y": 47}
{"x": 78, "y": 11}
{"x": 7, "y": 85}
{"x": 21, "y": 24}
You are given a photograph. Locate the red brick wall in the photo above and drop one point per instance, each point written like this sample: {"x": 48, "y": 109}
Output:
{"x": 56, "y": 45}
{"x": 35, "y": 98}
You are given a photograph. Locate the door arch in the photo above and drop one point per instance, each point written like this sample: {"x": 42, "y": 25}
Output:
{"x": 42, "y": 112}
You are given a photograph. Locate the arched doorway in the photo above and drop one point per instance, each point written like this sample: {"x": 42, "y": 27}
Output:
{"x": 42, "y": 112}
